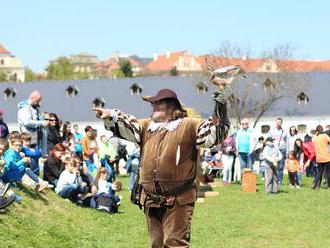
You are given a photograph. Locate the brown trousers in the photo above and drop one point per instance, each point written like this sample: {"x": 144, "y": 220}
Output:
{"x": 169, "y": 227}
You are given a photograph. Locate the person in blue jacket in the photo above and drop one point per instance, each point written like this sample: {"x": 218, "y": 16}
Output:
{"x": 33, "y": 153}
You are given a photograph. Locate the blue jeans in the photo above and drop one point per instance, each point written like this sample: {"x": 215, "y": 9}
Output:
{"x": 227, "y": 161}
{"x": 70, "y": 192}
{"x": 32, "y": 175}
{"x": 132, "y": 176}
{"x": 245, "y": 160}
{"x": 281, "y": 166}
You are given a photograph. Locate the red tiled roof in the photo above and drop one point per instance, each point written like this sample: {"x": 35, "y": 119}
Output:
{"x": 248, "y": 65}
{"x": 253, "y": 64}
{"x": 164, "y": 62}
{"x": 3, "y": 50}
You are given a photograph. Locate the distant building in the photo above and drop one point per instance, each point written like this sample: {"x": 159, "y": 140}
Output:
{"x": 109, "y": 66}
{"x": 183, "y": 61}
{"x": 265, "y": 65}
{"x": 85, "y": 63}
{"x": 12, "y": 66}
{"x": 75, "y": 99}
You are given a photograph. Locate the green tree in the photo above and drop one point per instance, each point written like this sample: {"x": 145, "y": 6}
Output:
{"x": 3, "y": 76}
{"x": 117, "y": 73}
{"x": 61, "y": 69}
{"x": 30, "y": 75}
{"x": 81, "y": 75}
{"x": 174, "y": 71}
{"x": 126, "y": 68}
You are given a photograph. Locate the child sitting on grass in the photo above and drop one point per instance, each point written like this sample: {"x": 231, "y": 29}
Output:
{"x": 70, "y": 185}
{"x": 292, "y": 165}
{"x": 5, "y": 192}
{"x": 33, "y": 153}
{"x": 103, "y": 188}
{"x": 15, "y": 168}
{"x": 270, "y": 157}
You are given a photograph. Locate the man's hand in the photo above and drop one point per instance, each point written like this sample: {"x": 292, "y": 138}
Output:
{"x": 26, "y": 160}
{"x": 2, "y": 163}
{"x": 101, "y": 113}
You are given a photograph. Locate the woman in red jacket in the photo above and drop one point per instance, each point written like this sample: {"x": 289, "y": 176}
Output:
{"x": 309, "y": 156}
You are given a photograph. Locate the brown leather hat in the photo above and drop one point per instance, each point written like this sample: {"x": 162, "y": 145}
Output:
{"x": 162, "y": 94}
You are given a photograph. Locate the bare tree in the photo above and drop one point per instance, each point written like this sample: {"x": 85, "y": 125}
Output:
{"x": 272, "y": 80}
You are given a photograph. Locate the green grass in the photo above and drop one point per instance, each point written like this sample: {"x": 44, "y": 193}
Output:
{"x": 293, "y": 218}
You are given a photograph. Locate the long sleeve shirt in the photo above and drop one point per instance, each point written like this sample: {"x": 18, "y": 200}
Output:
{"x": 309, "y": 151}
{"x": 281, "y": 139}
{"x": 67, "y": 178}
{"x": 130, "y": 128}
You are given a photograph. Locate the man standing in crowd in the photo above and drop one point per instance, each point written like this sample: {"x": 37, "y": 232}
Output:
{"x": 244, "y": 142}
{"x": 321, "y": 143}
{"x": 168, "y": 141}
{"x": 281, "y": 142}
{"x": 77, "y": 140}
{"x": 28, "y": 117}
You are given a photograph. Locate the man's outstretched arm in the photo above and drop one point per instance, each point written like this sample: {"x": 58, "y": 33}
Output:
{"x": 122, "y": 125}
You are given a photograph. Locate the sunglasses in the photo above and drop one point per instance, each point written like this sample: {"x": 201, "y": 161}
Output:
{"x": 18, "y": 145}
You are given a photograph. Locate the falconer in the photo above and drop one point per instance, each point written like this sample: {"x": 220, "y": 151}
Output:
{"x": 169, "y": 141}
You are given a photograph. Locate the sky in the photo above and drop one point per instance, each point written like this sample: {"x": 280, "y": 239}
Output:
{"x": 37, "y": 31}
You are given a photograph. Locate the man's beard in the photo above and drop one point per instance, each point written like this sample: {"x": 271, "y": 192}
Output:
{"x": 159, "y": 116}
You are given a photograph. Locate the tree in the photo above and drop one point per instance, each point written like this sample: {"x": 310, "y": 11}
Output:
{"x": 126, "y": 67}
{"x": 254, "y": 96}
{"x": 61, "y": 69}
{"x": 3, "y": 76}
{"x": 174, "y": 71}
{"x": 117, "y": 73}
{"x": 30, "y": 75}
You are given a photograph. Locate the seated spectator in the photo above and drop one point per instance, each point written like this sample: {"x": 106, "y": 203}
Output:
{"x": 68, "y": 137}
{"x": 54, "y": 165}
{"x": 15, "y": 168}
{"x": 70, "y": 185}
{"x": 54, "y": 136}
{"x": 33, "y": 153}
{"x": 4, "y": 187}
{"x": 103, "y": 188}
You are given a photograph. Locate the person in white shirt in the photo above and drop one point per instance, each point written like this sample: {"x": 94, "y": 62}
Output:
{"x": 69, "y": 184}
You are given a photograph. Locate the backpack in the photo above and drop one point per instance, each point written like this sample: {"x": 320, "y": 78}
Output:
{"x": 106, "y": 203}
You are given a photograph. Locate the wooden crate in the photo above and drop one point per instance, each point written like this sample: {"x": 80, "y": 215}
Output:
{"x": 249, "y": 181}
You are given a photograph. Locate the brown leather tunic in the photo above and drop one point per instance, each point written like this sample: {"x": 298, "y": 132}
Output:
{"x": 169, "y": 158}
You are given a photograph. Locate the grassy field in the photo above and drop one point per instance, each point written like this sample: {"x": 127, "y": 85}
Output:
{"x": 293, "y": 218}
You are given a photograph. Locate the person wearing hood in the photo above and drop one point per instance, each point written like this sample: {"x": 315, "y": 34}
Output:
{"x": 270, "y": 156}
{"x": 28, "y": 117}
{"x": 4, "y": 130}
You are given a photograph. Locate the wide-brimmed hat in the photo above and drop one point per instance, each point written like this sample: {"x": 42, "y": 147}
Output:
{"x": 162, "y": 95}
{"x": 269, "y": 139}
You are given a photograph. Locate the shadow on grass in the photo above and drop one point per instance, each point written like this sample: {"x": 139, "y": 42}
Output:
{"x": 34, "y": 195}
